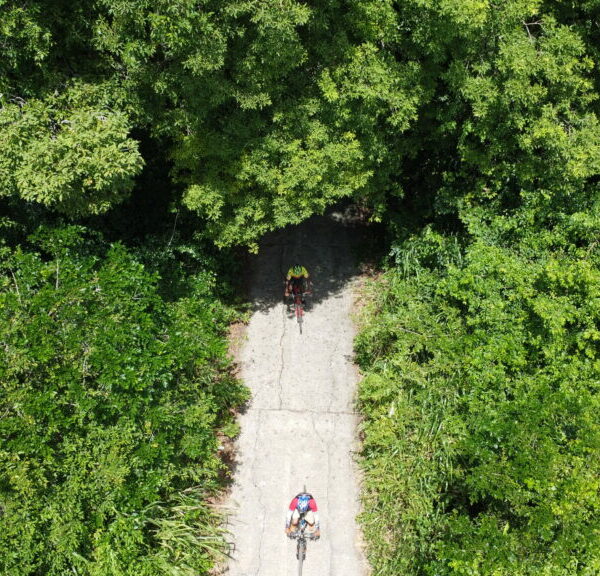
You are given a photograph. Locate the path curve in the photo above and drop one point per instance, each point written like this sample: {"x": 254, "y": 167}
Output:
{"x": 300, "y": 427}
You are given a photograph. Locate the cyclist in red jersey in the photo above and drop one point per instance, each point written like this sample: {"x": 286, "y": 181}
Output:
{"x": 303, "y": 506}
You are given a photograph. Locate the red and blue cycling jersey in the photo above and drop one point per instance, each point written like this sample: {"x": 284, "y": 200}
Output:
{"x": 312, "y": 504}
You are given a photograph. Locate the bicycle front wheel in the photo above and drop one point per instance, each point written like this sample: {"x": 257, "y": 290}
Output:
{"x": 301, "y": 554}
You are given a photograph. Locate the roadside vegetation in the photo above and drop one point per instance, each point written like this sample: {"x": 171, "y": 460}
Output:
{"x": 480, "y": 392}
{"x": 111, "y": 399}
{"x": 480, "y": 345}
{"x": 143, "y": 142}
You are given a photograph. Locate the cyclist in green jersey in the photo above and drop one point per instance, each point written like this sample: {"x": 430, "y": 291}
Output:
{"x": 297, "y": 276}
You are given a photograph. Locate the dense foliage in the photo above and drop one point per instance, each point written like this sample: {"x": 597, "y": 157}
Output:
{"x": 480, "y": 346}
{"x": 109, "y": 405}
{"x": 270, "y": 111}
{"x": 136, "y": 134}
{"x": 481, "y": 395}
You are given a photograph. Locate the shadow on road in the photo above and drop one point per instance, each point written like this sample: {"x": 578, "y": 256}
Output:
{"x": 335, "y": 248}
{"x": 328, "y": 246}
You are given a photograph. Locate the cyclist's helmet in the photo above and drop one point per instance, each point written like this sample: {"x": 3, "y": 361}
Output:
{"x": 303, "y": 502}
{"x": 297, "y": 270}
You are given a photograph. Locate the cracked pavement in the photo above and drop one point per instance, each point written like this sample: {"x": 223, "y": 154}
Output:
{"x": 300, "y": 427}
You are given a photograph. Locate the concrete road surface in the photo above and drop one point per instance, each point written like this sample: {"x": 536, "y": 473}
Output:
{"x": 300, "y": 427}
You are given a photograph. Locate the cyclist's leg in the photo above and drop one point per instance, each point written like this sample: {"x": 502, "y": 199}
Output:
{"x": 310, "y": 521}
{"x": 289, "y": 293}
{"x": 304, "y": 288}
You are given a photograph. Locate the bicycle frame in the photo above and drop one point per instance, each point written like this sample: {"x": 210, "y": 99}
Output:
{"x": 301, "y": 536}
{"x": 297, "y": 294}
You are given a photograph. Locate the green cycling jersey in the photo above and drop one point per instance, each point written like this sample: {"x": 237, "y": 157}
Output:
{"x": 297, "y": 272}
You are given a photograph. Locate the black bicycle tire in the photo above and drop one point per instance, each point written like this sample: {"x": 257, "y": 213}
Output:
{"x": 301, "y": 554}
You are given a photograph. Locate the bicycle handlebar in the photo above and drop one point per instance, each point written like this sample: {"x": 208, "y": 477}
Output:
{"x": 307, "y": 536}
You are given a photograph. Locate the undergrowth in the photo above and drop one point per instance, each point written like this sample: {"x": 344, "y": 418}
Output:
{"x": 112, "y": 400}
{"x": 480, "y": 399}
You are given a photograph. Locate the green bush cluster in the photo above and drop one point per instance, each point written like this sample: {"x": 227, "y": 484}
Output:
{"x": 111, "y": 399}
{"x": 481, "y": 398}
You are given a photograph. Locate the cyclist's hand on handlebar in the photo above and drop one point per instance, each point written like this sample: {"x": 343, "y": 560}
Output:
{"x": 317, "y": 535}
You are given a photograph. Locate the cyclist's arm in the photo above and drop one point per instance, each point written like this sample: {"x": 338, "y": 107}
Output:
{"x": 313, "y": 507}
{"x": 288, "y": 518}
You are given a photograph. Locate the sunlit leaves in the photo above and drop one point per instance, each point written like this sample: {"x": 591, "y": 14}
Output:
{"x": 77, "y": 160}
{"x": 110, "y": 401}
{"x": 24, "y": 39}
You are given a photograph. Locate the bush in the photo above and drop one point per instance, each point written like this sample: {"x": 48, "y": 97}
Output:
{"x": 481, "y": 399}
{"x": 110, "y": 404}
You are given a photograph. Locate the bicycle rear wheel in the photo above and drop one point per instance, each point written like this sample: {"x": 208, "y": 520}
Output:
{"x": 299, "y": 314}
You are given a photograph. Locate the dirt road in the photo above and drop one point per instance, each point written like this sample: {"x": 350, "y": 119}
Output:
{"x": 300, "y": 428}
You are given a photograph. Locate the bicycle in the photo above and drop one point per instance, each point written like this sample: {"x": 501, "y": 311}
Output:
{"x": 301, "y": 536}
{"x": 296, "y": 298}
